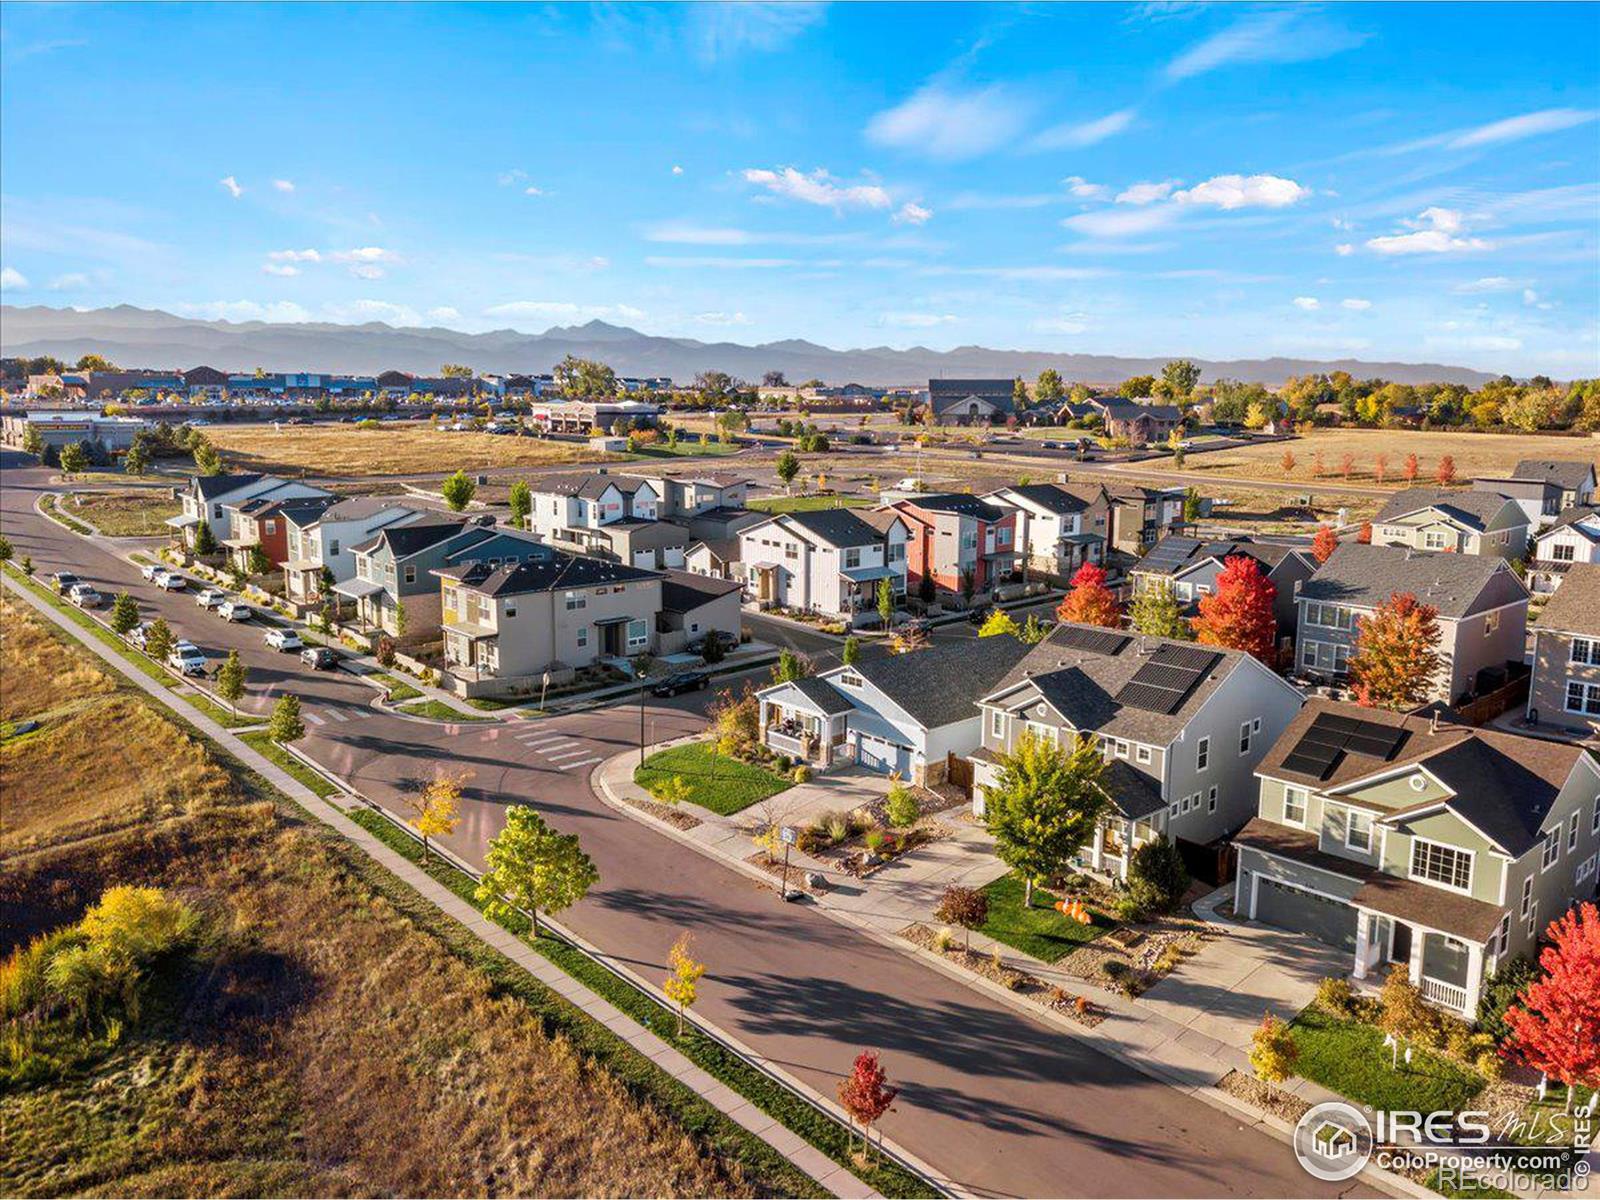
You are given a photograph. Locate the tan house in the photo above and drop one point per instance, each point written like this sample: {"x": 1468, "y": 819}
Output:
{"x": 1565, "y": 690}
{"x": 1455, "y": 521}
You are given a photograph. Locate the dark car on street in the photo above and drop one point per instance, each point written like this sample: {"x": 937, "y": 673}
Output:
{"x": 683, "y": 681}
{"x": 319, "y": 658}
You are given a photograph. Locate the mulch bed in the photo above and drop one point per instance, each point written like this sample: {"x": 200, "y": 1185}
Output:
{"x": 1252, "y": 1091}
{"x": 796, "y": 880}
{"x": 851, "y": 856}
{"x": 1134, "y": 958}
{"x": 665, "y": 812}
{"x": 1020, "y": 983}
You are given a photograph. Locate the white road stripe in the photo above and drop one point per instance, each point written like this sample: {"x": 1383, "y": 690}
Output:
{"x": 335, "y": 714}
{"x": 567, "y": 766}
{"x": 579, "y": 753}
{"x": 546, "y": 743}
{"x": 312, "y": 717}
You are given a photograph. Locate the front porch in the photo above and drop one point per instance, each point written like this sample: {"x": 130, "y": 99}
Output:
{"x": 1446, "y": 969}
{"x": 302, "y": 581}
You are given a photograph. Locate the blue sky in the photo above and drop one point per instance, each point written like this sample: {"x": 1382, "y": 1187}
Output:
{"x": 1417, "y": 182}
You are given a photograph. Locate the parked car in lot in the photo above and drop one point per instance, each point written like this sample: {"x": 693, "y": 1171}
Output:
{"x": 284, "y": 639}
{"x": 85, "y": 596}
{"x": 62, "y": 581}
{"x": 211, "y": 597}
{"x": 234, "y": 611}
{"x": 683, "y": 681}
{"x": 171, "y": 581}
{"x": 151, "y": 569}
{"x": 187, "y": 659}
{"x": 319, "y": 658}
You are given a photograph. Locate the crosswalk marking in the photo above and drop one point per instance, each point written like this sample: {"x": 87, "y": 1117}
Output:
{"x": 548, "y": 743}
{"x": 559, "y": 755}
{"x": 312, "y": 717}
{"x": 335, "y": 714}
{"x": 568, "y": 766}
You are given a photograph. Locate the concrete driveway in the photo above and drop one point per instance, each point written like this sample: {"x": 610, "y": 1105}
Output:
{"x": 839, "y": 790}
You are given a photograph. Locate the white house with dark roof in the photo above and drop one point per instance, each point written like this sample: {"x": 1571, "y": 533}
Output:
{"x": 904, "y": 713}
{"x": 1182, "y": 728}
{"x": 1058, "y": 529}
{"x": 1401, "y": 839}
{"x": 1482, "y": 612}
{"x": 829, "y": 561}
{"x": 1573, "y": 538}
{"x": 210, "y": 500}
{"x": 1477, "y": 522}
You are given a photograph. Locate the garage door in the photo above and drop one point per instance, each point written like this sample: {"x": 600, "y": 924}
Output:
{"x": 875, "y": 754}
{"x": 1288, "y": 907}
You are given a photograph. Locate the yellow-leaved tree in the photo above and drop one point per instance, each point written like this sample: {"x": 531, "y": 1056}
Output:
{"x": 681, "y": 985}
{"x": 436, "y": 810}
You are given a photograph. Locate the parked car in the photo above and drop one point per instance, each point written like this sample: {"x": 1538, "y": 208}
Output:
{"x": 728, "y": 641}
{"x": 187, "y": 659}
{"x": 151, "y": 569}
{"x": 85, "y": 596}
{"x": 171, "y": 581}
{"x": 683, "y": 681}
{"x": 211, "y": 597}
{"x": 234, "y": 611}
{"x": 62, "y": 581}
{"x": 284, "y": 639}
{"x": 319, "y": 658}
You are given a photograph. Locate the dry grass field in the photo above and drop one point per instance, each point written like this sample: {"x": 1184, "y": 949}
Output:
{"x": 326, "y": 1033}
{"x": 39, "y": 672}
{"x": 410, "y": 449}
{"x": 139, "y": 512}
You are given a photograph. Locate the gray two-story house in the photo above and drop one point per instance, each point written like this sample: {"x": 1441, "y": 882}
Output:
{"x": 1564, "y": 693}
{"x": 1482, "y": 612}
{"x": 1400, "y": 839}
{"x": 1182, "y": 728}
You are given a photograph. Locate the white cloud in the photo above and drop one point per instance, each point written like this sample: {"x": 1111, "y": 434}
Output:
{"x": 366, "y": 262}
{"x": 1344, "y": 249}
{"x": 443, "y": 313}
{"x": 1355, "y": 304}
{"x": 1083, "y": 189}
{"x": 532, "y": 191}
{"x": 1086, "y": 133}
{"x": 231, "y": 185}
{"x": 283, "y": 269}
{"x": 1146, "y": 193}
{"x": 1489, "y": 283}
{"x": 294, "y": 256}
{"x": 676, "y": 169}
{"x": 564, "y": 309}
{"x": 916, "y": 320}
{"x": 12, "y": 280}
{"x": 283, "y": 185}
{"x": 1110, "y": 223}
{"x": 943, "y": 123}
{"x": 1512, "y": 129}
{"x": 912, "y": 214}
{"x": 1435, "y": 231}
{"x": 367, "y": 271}
{"x": 721, "y": 30}
{"x": 1244, "y": 191}
{"x": 1307, "y": 303}
{"x": 817, "y": 188}
{"x": 722, "y": 318}
{"x": 1284, "y": 36}
{"x": 73, "y": 281}
{"x": 361, "y": 311}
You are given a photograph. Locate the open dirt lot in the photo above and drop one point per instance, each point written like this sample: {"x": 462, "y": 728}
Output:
{"x": 140, "y": 512}
{"x": 411, "y": 449}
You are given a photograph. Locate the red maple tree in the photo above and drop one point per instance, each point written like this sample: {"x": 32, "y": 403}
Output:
{"x": 1324, "y": 544}
{"x": 1287, "y": 461}
{"x": 866, "y": 1095}
{"x": 1397, "y": 653}
{"x": 1446, "y": 474}
{"x": 1555, "y": 1023}
{"x": 1090, "y": 601}
{"x": 1365, "y": 536}
{"x": 1239, "y": 615}
{"x": 1411, "y": 468}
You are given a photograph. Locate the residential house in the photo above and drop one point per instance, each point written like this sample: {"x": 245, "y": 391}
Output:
{"x": 954, "y": 537}
{"x": 323, "y": 538}
{"x": 1539, "y": 499}
{"x": 507, "y": 623}
{"x": 829, "y": 561}
{"x": 208, "y": 498}
{"x": 1190, "y": 566}
{"x": 1141, "y": 515}
{"x": 1575, "y": 477}
{"x": 1573, "y": 537}
{"x": 1564, "y": 692}
{"x": 693, "y": 606}
{"x": 1182, "y": 728}
{"x": 911, "y": 714}
{"x": 392, "y": 586}
{"x": 1401, "y": 839}
{"x": 1058, "y": 528}
{"x": 260, "y": 523}
{"x": 1482, "y": 607}
{"x": 1138, "y": 422}
{"x": 1461, "y": 522}
{"x": 971, "y": 401}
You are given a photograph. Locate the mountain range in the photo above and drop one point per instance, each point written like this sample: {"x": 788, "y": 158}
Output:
{"x": 141, "y": 337}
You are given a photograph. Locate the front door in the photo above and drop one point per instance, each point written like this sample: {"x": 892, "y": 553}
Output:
{"x": 1400, "y": 950}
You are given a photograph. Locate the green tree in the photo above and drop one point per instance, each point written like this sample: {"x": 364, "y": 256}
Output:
{"x": 885, "y": 603}
{"x": 74, "y": 458}
{"x": 1044, "y": 805}
{"x": 137, "y": 460}
{"x": 1180, "y": 375}
{"x": 95, "y": 362}
{"x": 5, "y": 548}
{"x": 1155, "y": 611}
{"x": 206, "y": 459}
{"x": 852, "y": 651}
{"x": 286, "y": 725}
{"x": 124, "y": 614}
{"x": 1191, "y": 504}
{"x": 901, "y": 805}
{"x": 521, "y": 503}
{"x": 1034, "y": 630}
{"x": 682, "y": 985}
{"x": 1019, "y": 394}
{"x": 1157, "y": 878}
{"x": 205, "y": 542}
{"x": 790, "y": 666}
{"x": 32, "y": 442}
{"x": 532, "y": 867}
{"x": 578, "y": 378}
{"x": 1049, "y": 388}
{"x": 230, "y": 680}
{"x": 455, "y": 371}
{"x": 458, "y": 491}
{"x": 257, "y": 561}
{"x": 158, "y": 643}
{"x": 787, "y": 467}
{"x": 1137, "y": 388}
{"x": 1273, "y": 1050}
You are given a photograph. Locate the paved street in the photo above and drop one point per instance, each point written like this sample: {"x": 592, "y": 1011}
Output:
{"x": 1001, "y": 1103}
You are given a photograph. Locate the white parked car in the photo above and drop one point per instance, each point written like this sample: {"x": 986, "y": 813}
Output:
{"x": 234, "y": 611}
{"x": 187, "y": 659}
{"x": 85, "y": 596}
{"x": 171, "y": 581}
{"x": 151, "y": 569}
{"x": 284, "y": 639}
{"x": 211, "y": 597}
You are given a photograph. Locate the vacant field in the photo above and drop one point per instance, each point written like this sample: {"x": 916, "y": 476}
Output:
{"x": 38, "y": 671}
{"x": 133, "y": 513}
{"x": 387, "y": 450}
{"x": 1484, "y": 454}
{"x": 326, "y": 1034}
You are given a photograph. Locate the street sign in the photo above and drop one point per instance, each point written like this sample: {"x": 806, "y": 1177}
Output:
{"x": 787, "y": 835}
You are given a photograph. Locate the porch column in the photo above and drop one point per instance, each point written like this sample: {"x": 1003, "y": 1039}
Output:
{"x": 1419, "y": 938}
{"x": 1098, "y": 846}
{"x": 1363, "y": 924}
{"x": 1474, "y": 982}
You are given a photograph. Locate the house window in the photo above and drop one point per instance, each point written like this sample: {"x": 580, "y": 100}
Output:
{"x": 1527, "y": 894}
{"x": 852, "y": 558}
{"x": 583, "y": 635}
{"x": 1143, "y": 754}
{"x": 851, "y": 679}
{"x": 1533, "y": 917}
{"x": 1045, "y": 733}
{"x": 511, "y": 608}
{"x": 1585, "y": 652}
{"x": 1586, "y": 869}
{"x": 1594, "y": 821}
{"x": 1211, "y": 801}
{"x": 1294, "y": 806}
{"x": 1572, "y": 834}
{"x": 1503, "y": 935}
{"x": 1441, "y": 864}
{"x": 333, "y": 548}
{"x": 1121, "y": 748}
{"x": 1244, "y": 738}
{"x": 897, "y": 552}
{"x": 1358, "y": 831}
{"x": 638, "y": 635}
{"x": 1173, "y": 811}
{"x": 411, "y": 574}
{"x": 997, "y": 724}
{"x": 1491, "y": 623}
{"x": 1552, "y": 849}
{"x": 576, "y": 600}
{"x": 1563, "y": 552}
{"x": 272, "y": 525}
{"x": 1202, "y": 754}
{"x": 1433, "y": 540}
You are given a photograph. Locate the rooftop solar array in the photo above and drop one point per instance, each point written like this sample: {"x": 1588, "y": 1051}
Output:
{"x": 1170, "y": 553}
{"x": 1164, "y": 683}
{"x": 1332, "y": 735}
{"x": 1094, "y": 641}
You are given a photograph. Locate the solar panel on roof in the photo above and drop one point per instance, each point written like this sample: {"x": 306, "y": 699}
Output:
{"x": 1149, "y": 698}
{"x": 1332, "y": 735}
{"x": 1095, "y": 641}
{"x": 1190, "y": 658}
{"x": 1166, "y": 676}
{"x": 1304, "y": 766}
{"x": 1164, "y": 683}
{"x": 1169, "y": 553}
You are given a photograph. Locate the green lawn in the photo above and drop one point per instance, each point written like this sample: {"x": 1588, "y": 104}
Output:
{"x": 438, "y": 710}
{"x": 724, "y": 785}
{"x": 788, "y": 504}
{"x": 278, "y": 756}
{"x": 1349, "y": 1057}
{"x": 688, "y": 448}
{"x": 398, "y": 689}
{"x": 1038, "y": 930}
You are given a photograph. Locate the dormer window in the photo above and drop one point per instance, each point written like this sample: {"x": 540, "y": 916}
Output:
{"x": 851, "y": 679}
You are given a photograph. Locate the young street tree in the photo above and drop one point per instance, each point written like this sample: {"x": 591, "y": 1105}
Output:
{"x": 436, "y": 809}
{"x": 521, "y": 503}
{"x": 1155, "y": 611}
{"x": 787, "y": 467}
{"x": 790, "y": 666}
{"x": 852, "y": 651}
{"x": 206, "y": 459}
{"x": 1396, "y": 654}
{"x": 1239, "y": 615}
{"x": 74, "y": 458}
{"x": 682, "y": 984}
{"x": 963, "y": 906}
{"x": 286, "y": 725}
{"x": 1043, "y": 805}
{"x": 159, "y": 641}
{"x": 532, "y": 867}
{"x": 124, "y": 614}
{"x": 1555, "y": 1026}
{"x": 885, "y": 603}
{"x": 230, "y": 680}
{"x": 1090, "y": 602}
{"x": 866, "y": 1095}
{"x": 205, "y": 542}
{"x": 458, "y": 491}
{"x": 1049, "y": 388}
{"x": 999, "y": 622}
{"x": 1324, "y": 544}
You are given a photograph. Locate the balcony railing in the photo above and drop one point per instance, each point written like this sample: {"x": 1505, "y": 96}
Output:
{"x": 784, "y": 743}
{"x": 1447, "y": 995}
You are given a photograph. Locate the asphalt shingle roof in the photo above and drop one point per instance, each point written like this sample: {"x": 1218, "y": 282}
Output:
{"x": 834, "y": 526}
{"x": 1458, "y": 585}
{"x": 550, "y": 571}
{"x": 943, "y": 684}
{"x": 1570, "y": 474}
{"x": 684, "y": 591}
{"x": 823, "y": 694}
{"x": 1051, "y": 497}
{"x": 1473, "y": 509}
{"x": 964, "y": 503}
{"x": 406, "y": 540}
{"x": 211, "y": 486}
